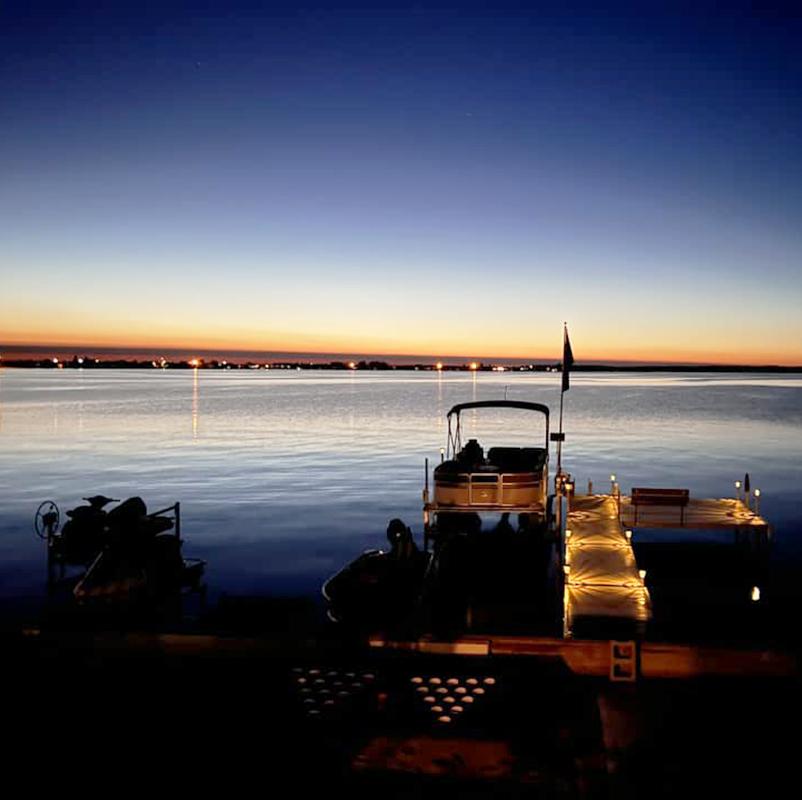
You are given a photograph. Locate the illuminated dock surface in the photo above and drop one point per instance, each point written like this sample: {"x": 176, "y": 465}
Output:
{"x": 726, "y": 514}
{"x": 601, "y": 575}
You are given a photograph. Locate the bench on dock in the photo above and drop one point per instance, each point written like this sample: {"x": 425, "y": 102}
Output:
{"x": 661, "y": 497}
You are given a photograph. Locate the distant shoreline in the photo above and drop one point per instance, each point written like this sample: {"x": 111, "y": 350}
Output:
{"x": 382, "y": 366}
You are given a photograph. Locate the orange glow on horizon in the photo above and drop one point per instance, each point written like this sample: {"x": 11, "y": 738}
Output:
{"x": 485, "y": 352}
{"x": 589, "y": 343}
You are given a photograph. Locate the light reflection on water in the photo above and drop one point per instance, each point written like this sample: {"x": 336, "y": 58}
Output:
{"x": 283, "y": 476}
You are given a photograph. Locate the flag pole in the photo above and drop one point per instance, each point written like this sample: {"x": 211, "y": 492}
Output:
{"x": 568, "y": 360}
{"x": 560, "y": 439}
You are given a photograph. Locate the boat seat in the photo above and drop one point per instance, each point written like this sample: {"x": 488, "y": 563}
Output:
{"x": 517, "y": 459}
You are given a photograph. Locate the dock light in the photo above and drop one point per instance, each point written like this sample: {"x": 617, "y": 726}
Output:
{"x": 755, "y": 594}
{"x": 568, "y": 533}
{"x": 442, "y": 454}
{"x": 612, "y": 478}
{"x": 567, "y": 569}
{"x": 628, "y": 534}
{"x": 757, "y": 501}
{"x": 642, "y": 573}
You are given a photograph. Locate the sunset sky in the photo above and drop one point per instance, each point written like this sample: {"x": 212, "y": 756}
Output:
{"x": 436, "y": 179}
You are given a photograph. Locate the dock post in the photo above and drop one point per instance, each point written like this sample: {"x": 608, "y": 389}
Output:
{"x": 178, "y": 521}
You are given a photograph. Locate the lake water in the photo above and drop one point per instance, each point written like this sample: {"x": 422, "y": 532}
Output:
{"x": 283, "y": 476}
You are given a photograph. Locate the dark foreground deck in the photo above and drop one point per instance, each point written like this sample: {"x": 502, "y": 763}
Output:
{"x": 189, "y": 713}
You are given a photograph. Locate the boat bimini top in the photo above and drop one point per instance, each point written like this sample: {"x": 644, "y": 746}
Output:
{"x": 455, "y": 432}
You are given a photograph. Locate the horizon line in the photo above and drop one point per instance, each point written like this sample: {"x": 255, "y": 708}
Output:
{"x": 208, "y": 354}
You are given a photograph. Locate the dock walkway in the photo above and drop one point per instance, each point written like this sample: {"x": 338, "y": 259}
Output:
{"x": 601, "y": 574}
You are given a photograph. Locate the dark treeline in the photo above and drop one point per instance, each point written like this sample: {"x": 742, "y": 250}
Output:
{"x": 83, "y": 362}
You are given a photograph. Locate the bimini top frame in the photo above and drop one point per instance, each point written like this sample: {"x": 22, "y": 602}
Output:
{"x": 455, "y": 433}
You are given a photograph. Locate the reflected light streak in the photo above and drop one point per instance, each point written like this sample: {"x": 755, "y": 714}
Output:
{"x": 195, "y": 403}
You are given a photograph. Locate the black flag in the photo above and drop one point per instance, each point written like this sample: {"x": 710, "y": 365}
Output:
{"x": 568, "y": 360}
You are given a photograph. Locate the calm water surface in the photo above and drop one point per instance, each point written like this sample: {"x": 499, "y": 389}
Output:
{"x": 285, "y": 475}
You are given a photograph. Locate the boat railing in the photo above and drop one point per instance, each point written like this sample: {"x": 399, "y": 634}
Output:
{"x": 490, "y": 488}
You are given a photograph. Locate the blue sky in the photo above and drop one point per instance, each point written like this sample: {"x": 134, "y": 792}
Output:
{"x": 431, "y": 179}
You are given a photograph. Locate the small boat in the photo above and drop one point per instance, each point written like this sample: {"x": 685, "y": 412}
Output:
{"x": 476, "y": 569}
{"x": 379, "y": 587}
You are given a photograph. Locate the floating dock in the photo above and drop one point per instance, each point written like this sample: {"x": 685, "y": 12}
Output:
{"x": 602, "y": 580}
{"x": 724, "y": 514}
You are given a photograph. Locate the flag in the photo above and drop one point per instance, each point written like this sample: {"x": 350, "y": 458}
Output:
{"x": 568, "y": 360}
